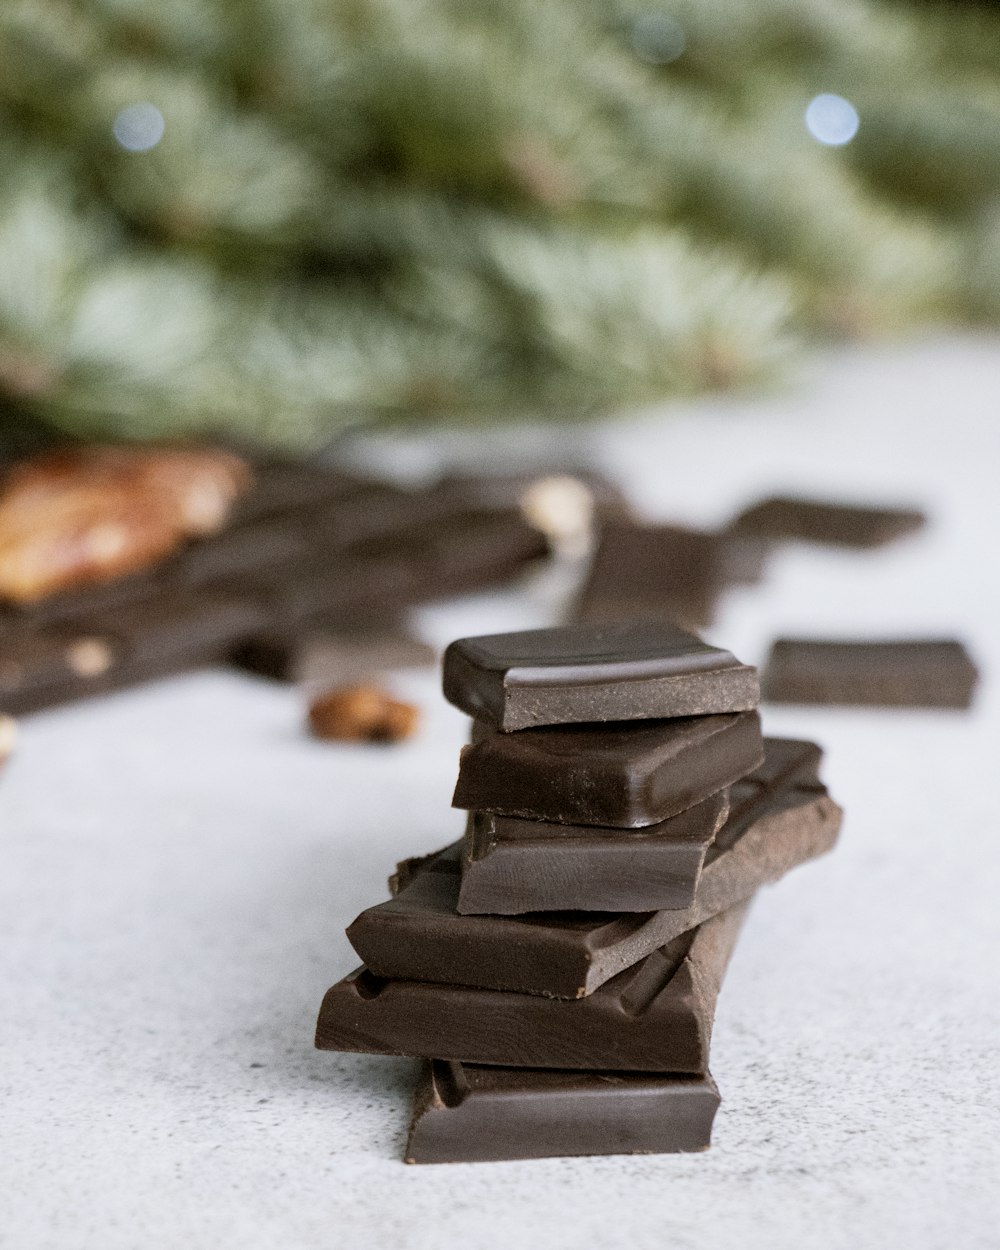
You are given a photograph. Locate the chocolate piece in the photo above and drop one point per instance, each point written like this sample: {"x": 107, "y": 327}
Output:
{"x": 656, "y": 1016}
{"x": 512, "y": 866}
{"x": 912, "y": 673}
{"x": 587, "y": 673}
{"x": 627, "y": 774}
{"x": 664, "y": 572}
{"x": 817, "y": 521}
{"x": 138, "y": 642}
{"x": 469, "y": 1113}
{"x": 780, "y": 816}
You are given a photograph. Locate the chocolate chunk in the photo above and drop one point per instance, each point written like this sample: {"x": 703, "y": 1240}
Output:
{"x": 627, "y": 774}
{"x": 664, "y": 572}
{"x": 588, "y": 673}
{"x": 512, "y": 866}
{"x": 912, "y": 673}
{"x": 817, "y": 521}
{"x": 780, "y": 816}
{"x": 470, "y": 1113}
{"x": 656, "y": 1016}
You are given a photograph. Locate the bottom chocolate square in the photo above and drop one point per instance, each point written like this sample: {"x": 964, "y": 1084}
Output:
{"x": 470, "y": 1113}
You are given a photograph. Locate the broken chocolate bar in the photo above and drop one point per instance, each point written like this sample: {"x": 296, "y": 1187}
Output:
{"x": 818, "y": 521}
{"x": 645, "y": 670}
{"x": 911, "y": 673}
{"x": 512, "y": 866}
{"x": 626, "y": 774}
{"x": 780, "y": 816}
{"x": 306, "y": 550}
{"x": 656, "y": 1016}
{"x": 112, "y": 650}
{"x": 470, "y": 1113}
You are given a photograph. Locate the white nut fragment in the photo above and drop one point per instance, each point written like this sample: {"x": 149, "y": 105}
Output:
{"x": 8, "y": 736}
{"x": 562, "y": 507}
{"x": 90, "y": 657}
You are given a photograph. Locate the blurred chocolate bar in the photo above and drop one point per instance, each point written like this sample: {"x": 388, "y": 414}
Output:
{"x": 309, "y": 553}
{"x": 784, "y": 517}
{"x": 665, "y": 573}
{"x": 936, "y": 672}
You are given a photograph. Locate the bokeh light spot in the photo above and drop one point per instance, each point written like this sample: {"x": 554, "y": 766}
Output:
{"x": 657, "y": 38}
{"x": 832, "y": 120}
{"x": 139, "y": 127}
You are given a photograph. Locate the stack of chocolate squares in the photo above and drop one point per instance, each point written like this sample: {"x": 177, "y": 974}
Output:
{"x": 559, "y": 966}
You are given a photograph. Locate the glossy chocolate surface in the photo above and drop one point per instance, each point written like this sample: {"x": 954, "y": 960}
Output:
{"x": 511, "y": 866}
{"x": 627, "y": 774}
{"x": 588, "y": 673}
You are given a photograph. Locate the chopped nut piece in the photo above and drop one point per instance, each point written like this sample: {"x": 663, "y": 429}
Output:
{"x": 73, "y": 518}
{"x": 362, "y": 714}
{"x": 8, "y": 737}
{"x": 90, "y": 657}
{"x": 562, "y": 507}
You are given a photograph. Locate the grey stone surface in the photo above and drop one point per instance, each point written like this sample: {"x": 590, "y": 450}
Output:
{"x": 177, "y": 865}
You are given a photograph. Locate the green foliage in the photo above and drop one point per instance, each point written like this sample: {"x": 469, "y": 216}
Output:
{"x": 395, "y": 209}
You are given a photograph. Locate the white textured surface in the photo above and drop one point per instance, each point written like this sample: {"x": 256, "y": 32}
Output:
{"x": 178, "y": 865}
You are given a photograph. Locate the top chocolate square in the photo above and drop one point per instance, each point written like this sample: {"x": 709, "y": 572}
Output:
{"x": 574, "y": 674}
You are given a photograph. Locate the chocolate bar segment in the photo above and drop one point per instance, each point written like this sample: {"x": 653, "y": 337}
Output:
{"x": 512, "y": 866}
{"x": 627, "y": 774}
{"x": 775, "y": 823}
{"x": 643, "y": 670}
{"x": 656, "y": 1016}
{"x": 470, "y": 1113}
{"x": 818, "y": 521}
{"x": 112, "y": 650}
{"x": 664, "y": 573}
{"x": 912, "y": 673}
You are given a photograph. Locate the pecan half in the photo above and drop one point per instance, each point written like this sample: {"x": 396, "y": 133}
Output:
{"x": 75, "y": 518}
{"x": 362, "y": 714}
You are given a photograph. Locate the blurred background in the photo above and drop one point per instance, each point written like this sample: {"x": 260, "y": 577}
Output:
{"x": 277, "y": 219}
